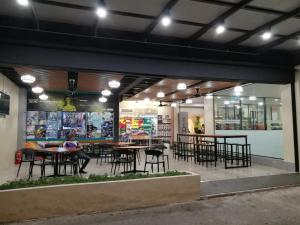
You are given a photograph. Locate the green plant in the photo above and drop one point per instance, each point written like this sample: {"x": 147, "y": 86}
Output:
{"x": 77, "y": 179}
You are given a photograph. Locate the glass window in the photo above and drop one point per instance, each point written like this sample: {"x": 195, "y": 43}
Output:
{"x": 247, "y": 113}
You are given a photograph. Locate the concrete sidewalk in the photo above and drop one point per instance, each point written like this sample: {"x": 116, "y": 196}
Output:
{"x": 281, "y": 206}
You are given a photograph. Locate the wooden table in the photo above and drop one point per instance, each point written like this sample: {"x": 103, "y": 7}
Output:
{"x": 134, "y": 148}
{"x": 117, "y": 144}
{"x": 57, "y": 151}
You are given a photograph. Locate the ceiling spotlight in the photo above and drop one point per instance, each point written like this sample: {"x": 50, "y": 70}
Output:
{"x": 173, "y": 104}
{"x": 166, "y": 21}
{"x": 43, "y": 97}
{"x": 27, "y": 78}
{"x": 219, "y": 97}
{"x": 114, "y": 84}
{"x": 23, "y": 2}
{"x": 101, "y": 12}
{"x": 209, "y": 96}
{"x": 238, "y": 89}
{"x": 37, "y": 90}
{"x": 102, "y": 99}
{"x": 226, "y": 102}
{"x": 160, "y": 94}
{"x": 106, "y": 92}
{"x": 252, "y": 98}
{"x": 261, "y": 103}
{"x": 266, "y": 35}
{"x": 146, "y": 99}
{"x": 220, "y": 29}
{"x": 181, "y": 86}
{"x": 188, "y": 101}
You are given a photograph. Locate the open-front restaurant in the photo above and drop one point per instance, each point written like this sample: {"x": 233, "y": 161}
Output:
{"x": 105, "y": 90}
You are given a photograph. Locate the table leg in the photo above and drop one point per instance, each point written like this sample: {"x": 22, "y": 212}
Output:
{"x": 225, "y": 153}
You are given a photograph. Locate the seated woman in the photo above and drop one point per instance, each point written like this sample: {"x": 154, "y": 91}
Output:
{"x": 72, "y": 143}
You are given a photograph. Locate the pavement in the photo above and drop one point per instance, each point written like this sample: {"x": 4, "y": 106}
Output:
{"x": 275, "y": 207}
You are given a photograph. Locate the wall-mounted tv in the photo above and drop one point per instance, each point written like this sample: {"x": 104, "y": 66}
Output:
{"x": 4, "y": 103}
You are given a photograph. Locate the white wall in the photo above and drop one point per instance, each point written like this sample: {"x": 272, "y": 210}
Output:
{"x": 287, "y": 123}
{"x": 8, "y": 129}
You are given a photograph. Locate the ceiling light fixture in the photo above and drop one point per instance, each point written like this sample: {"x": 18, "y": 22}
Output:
{"x": 37, "y": 90}
{"x": 238, "y": 89}
{"x": 181, "y": 86}
{"x": 173, "y": 104}
{"x": 43, "y": 97}
{"x": 188, "y": 101}
{"x": 23, "y": 2}
{"x": 252, "y": 98}
{"x": 114, "y": 84}
{"x": 160, "y": 94}
{"x": 27, "y": 78}
{"x": 101, "y": 9}
{"x": 260, "y": 103}
{"x": 266, "y": 35}
{"x": 226, "y": 102}
{"x": 220, "y": 29}
{"x": 102, "y": 99}
{"x": 209, "y": 96}
{"x": 166, "y": 20}
{"x": 106, "y": 92}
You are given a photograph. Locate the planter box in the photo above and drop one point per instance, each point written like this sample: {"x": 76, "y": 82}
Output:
{"x": 48, "y": 201}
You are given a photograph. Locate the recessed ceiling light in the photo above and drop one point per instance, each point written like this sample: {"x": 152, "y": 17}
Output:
{"x": 238, "y": 89}
{"x": 219, "y": 97}
{"x": 266, "y": 35}
{"x": 276, "y": 100}
{"x": 260, "y": 103}
{"x": 188, "y": 101}
{"x": 160, "y": 94}
{"x": 106, "y": 92}
{"x": 146, "y": 99}
{"x": 43, "y": 97}
{"x": 220, "y": 29}
{"x": 23, "y": 2}
{"x": 102, "y": 99}
{"x": 181, "y": 86}
{"x": 27, "y": 78}
{"x": 173, "y": 104}
{"x": 101, "y": 12}
{"x": 166, "y": 21}
{"x": 226, "y": 102}
{"x": 209, "y": 96}
{"x": 37, "y": 90}
{"x": 114, "y": 84}
{"x": 252, "y": 98}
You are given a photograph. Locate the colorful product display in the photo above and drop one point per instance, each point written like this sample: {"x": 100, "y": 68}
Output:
{"x": 55, "y": 125}
{"x": 138, "y": 125}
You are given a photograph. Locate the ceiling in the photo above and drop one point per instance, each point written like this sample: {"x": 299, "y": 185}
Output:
{"x": 133, "y": 87}
{"x": 193, "y": 21}
{"x": 57, "y": 80}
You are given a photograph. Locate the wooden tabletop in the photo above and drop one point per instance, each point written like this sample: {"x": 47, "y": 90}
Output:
{"x": 134, "y": 147}
{"x": 55, "y": 150}
{"x": 215, "y": 135}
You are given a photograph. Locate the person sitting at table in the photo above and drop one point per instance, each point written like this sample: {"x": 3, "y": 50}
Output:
{"x": 72, "y": 143}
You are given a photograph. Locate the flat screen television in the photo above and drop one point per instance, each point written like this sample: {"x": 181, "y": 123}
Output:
{"x": 4, "y": 103}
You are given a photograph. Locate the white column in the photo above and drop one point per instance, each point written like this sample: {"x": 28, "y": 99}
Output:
{"x": 287, "y": 123}
{"x": 209, "y": 119}
{"x": 297, "y": 95}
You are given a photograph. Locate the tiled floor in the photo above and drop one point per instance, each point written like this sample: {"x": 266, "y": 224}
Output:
{"x": 207, "y": 173}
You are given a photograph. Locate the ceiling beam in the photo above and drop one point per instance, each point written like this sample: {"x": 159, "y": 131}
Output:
{"x": 166, "y": 8}
{"x": 132, "y": 85}
{"x": 279, "y": 41}
{"x": 265, "y": 26}
{"x": 219, "y": 19}
{"x": 248, "y": 7}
